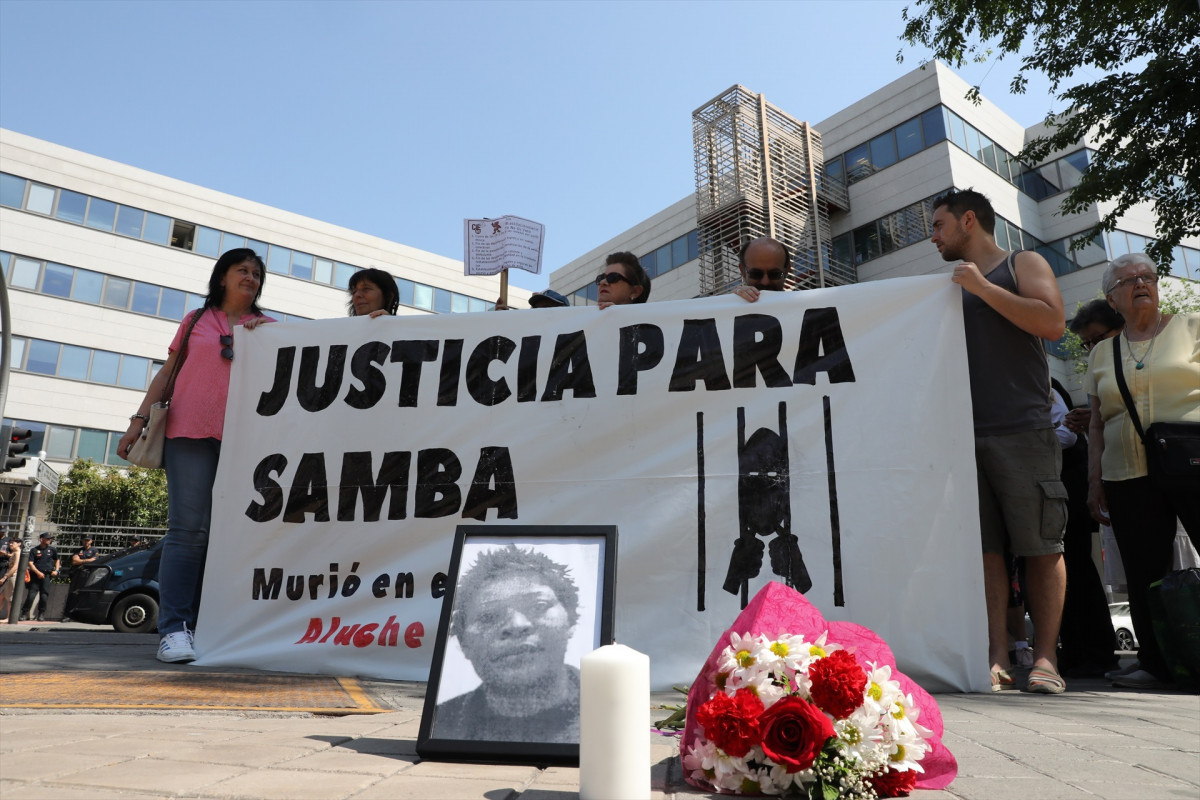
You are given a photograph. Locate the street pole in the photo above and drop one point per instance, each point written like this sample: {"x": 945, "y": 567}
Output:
{"x": 20, "y": 590}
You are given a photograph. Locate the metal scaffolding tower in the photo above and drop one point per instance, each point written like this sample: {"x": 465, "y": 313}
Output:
{"x": 760, "y": 172}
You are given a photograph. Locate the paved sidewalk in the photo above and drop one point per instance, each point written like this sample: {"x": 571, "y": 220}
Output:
{"x": 1093, "y": 742}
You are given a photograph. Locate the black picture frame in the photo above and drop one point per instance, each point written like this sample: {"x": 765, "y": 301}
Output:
{"x": 451, "y": 716}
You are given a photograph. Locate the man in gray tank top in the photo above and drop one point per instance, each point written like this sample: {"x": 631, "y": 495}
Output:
{"x": 1011, "y": 302}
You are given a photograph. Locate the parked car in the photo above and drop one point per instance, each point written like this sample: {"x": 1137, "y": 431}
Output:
{"x": 120, "y": 590}
{"x": 1122, "y": 626}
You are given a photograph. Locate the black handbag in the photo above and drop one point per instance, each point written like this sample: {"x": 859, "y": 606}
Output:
{"x": 1172, "y": 448}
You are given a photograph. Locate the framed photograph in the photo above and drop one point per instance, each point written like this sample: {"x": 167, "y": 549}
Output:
{"x": 525, "y": 603}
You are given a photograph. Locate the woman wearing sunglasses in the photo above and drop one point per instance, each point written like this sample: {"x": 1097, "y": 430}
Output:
{"x": 204, "y": 344}
{"x": 623, "y": 281}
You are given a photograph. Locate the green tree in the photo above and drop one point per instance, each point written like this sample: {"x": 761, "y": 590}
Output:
{"x": 1145, "y": 119}
{"x": 91, "y": 495}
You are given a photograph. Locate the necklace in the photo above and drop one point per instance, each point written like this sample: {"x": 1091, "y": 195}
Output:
{"x": 1141, "y": 362}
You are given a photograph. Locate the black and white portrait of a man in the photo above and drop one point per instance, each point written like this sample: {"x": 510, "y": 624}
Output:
{"x": 522, "y": 622}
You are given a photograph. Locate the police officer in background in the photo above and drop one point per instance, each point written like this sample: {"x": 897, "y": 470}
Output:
{"x": 43, "y": 569}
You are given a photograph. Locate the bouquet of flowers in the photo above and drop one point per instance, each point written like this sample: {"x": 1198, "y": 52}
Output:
{"x": 802, "y": 718}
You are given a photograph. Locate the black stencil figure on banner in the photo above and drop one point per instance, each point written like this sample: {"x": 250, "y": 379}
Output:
{"x": 764, "y": 510}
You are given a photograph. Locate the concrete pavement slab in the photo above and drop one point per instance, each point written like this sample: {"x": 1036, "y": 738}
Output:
{"x": 287, "y": 784}
{"x": 152, "y": 775}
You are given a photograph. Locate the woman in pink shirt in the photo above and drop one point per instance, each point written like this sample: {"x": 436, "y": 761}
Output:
{"x": 193, "y": 437}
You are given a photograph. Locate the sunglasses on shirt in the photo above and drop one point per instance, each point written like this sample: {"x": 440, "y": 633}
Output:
{"x": 227, "y": 347}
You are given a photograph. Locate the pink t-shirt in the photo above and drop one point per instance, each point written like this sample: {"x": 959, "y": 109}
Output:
{"x": 202, "y": 385}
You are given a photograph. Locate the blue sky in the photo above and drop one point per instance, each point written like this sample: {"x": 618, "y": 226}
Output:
{"x": 399, "y": 119}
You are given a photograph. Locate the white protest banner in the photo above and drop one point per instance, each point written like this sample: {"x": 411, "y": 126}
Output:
{"x": 821, "y": 437}
{"x": 508, "y": 242}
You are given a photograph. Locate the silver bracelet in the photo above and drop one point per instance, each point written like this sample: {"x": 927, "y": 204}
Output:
{"x": 142, "y": 417}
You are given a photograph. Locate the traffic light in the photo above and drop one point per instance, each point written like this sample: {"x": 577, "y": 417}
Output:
{"x": 15, "y": 441}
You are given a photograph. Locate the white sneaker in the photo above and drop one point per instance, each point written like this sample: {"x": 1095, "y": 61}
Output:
{"x": 175, "y": 648}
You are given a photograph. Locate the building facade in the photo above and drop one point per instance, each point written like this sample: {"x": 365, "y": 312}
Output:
{"x": 894, "y": 151}
{"x": 103, "y": 260}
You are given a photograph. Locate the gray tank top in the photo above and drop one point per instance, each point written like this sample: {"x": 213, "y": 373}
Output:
{"x": 1010, "y": 377}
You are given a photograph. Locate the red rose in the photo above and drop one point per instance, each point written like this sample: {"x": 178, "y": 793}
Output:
{"x": 837, "y": 684}
{"x": 894, "y": 784}
{"x": 731, "y": 723}
{"x": 793, "y": 733}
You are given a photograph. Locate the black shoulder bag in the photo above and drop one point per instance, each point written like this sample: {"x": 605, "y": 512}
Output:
{"x": 1172, "y": 448}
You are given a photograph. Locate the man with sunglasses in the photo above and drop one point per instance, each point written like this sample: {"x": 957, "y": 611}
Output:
{"x": 765, "y": 264}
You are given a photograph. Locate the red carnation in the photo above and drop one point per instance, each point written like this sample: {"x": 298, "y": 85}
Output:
{"x": 793, "y": 733}
{"x": 893, "y": 783}
{"x": 837, "y": 684}
{"x": 731, "y": 723}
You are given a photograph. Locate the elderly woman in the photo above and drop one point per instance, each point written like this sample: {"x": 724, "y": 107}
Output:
{"x": 199, "y": 363}
{"x": 1160, "y": 361}
{"x": 373, "y": 292}
{"x": 623, "y": 281}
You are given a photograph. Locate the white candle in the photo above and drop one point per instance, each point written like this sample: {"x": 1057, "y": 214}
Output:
{"x": 614, "y": 724}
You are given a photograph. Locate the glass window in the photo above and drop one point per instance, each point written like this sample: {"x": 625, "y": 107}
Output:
{"x": 1049, "y": 173}
{"x": 1004, "y": 164}
{"x": 459, "y": 303}
{"x": 116, "y": 292}
{"x": 342, "y": 274}
{"x": 475, "y": 304}
{"x": 989, "y": 153}
{"x": 59, "y": 442}
{"x": 105, "y": 366}
{"x": 843, "y": 249}
{"x": 662, "y": 259}
{"x": 1070, "y": 169}
{"x": 323, "y": 271}
{"x": 18, "y": 352}
{"x": 133, "y": 372}
{"x": 835, "y": 170}
{"x": 12, "y": 190}
{"x": 1091, "y": 253}
{"x": 302, "y": 265}
{"x": 974, "y": 146}
{"x": 101, "y": 214}
{"x": 183, "y": 235}
{"x": 43, "y": 357}
{"x": 74, "y": 362}
{"x": 88, "y": 286}
{"x": 933, "y": 126}
{"x": 406, "y": 289}
{"x": 114, "y": 439}
{"x": 208, "y": 242}
{"x": 194, "y": 301}
{"x": 1002, "y": 236}
{"x": 4, "y": 257}
{"x": 693, "y": 245}
{"x": 1118, "y": 245}
{"x": 650, "y": 264}
{"x": 41, "y": 198}
{"x": 230, "y": 241}
{"x": 92, "y": 444}
{"x": 1190, "y": 255}
{"x": 171, "y": 304}
{"x": 155, "y": 366}
{"x": 883, "y": 150}
{"x": 57, "y": 280}
{"x": 908, "y": 138}
{"x": 866, "y": 243}
{"x": 592, "y": 292}
{"x": 422, "y": 295}
{"x": 1137, "y": 244}
{"x": 958, "y": 130}
{"x": 858, "y": 164}
{"x": 258, "y": 247}
{"x": 679, "y": 251}
{"x": 129, "y": 221}
{"x": 889, "y": 227}
{"x": 441, "y": 301}
{"x": 25, "y": 273}
{"x": 145, "y": 298}
{"x": 71, "y": 206}
{"x": 279, "y": 260}
{"x": 157, "y": 228}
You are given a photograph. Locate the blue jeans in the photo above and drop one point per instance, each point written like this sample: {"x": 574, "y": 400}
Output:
{"x": 191, "y": 466}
